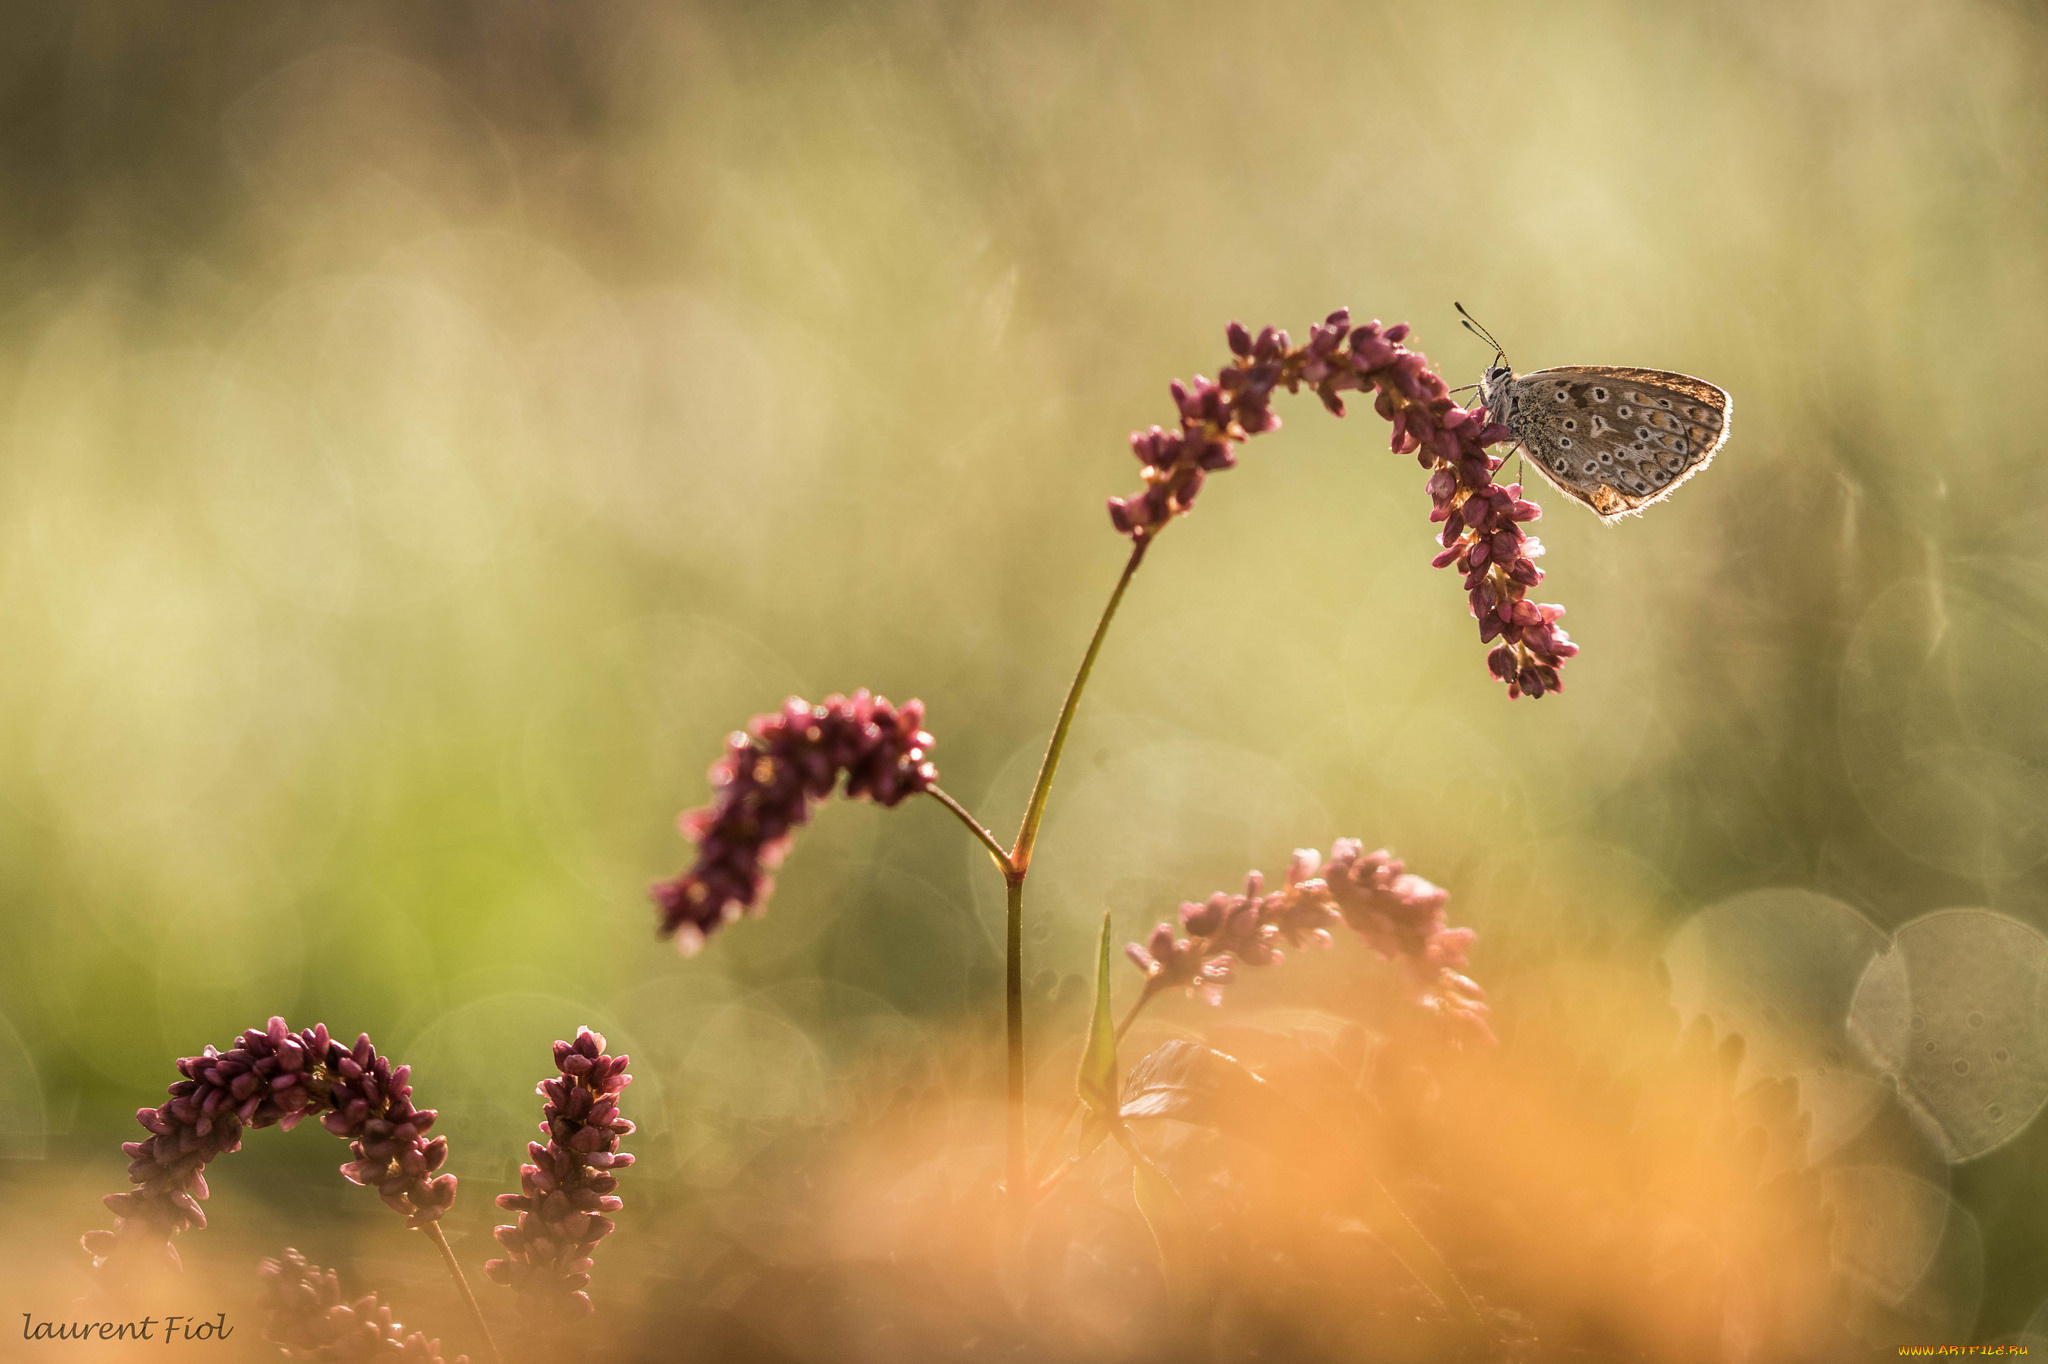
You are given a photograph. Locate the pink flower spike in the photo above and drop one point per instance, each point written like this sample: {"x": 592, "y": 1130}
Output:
{"x": 272, "y": 1077}
{"x": 548, "y": 1250}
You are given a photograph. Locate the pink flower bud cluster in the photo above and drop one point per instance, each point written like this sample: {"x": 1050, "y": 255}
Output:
{"x": 768, "y": 781}
{"x": 1482, "y": 532}
{"x": 1483, "y": 538}
{"x": 567, "y": 1190}
{"x": 1226, "y": 928}
{"x": 1216, "y": 416}
{"x": 275, "y": 1077}
{"x": 305, "y": 1317}
{"x": 1400, "y": 915}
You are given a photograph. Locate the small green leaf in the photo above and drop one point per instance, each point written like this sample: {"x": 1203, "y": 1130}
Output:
{"x": 1096, "y": 1083}
{"x": 1174, "y": 1229}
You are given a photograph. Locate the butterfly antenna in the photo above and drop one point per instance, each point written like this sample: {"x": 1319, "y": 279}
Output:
{"x": 1472, "y": 325}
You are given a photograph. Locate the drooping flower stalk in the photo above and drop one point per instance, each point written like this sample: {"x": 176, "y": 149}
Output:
{"x": 766, "y": 784}
{"x": 567, "y": 1190}
{"x": 1482, "y": 532}
{"x": 1483, "y": 539}
{"x": 305, "y": 1317}
{"x": 274, "y": 1077}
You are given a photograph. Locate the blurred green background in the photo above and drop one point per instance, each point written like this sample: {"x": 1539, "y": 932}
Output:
{"x": 428, "y": 430}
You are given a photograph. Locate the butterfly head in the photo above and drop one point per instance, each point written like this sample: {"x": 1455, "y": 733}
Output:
{"x": 1493, "y": 387}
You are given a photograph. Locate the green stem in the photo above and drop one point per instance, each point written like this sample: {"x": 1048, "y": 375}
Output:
{"x": 476, "y": 1313}
{"x": 1131, "y": 1014}
{"x": 974, "y": 826}
{"x": 1034, "y": 813}
{"x": 1017, "y": 1161}
{"x": 1054, "y": 1177}
{"x": 1016, "y": 1168}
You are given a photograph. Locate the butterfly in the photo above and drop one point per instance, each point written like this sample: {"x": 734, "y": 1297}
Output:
{"x": 1616, "y": 439}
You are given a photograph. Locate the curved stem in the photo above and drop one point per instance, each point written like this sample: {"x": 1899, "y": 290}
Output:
{"x": 974, "y": 826}
{"x": 1017, "y": 1156}
{"x": 1054, "y": 1177}
{"x": 476, "y": 1313}
{"x": 1131, "y": 1014}
{"x": 1034, "y": 813}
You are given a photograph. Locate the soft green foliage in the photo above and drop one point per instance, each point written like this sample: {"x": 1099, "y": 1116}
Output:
{"x": 1096, "y": 1083}
{"x": 1175, "y": 1232}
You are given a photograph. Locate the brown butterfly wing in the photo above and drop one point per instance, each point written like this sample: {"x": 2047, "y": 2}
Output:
{"x": 1615, "y": 438}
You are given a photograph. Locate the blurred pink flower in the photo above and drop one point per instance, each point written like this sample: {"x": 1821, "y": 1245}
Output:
{"x": 305, "y": 1317}
{"x": 1400, "y": 915}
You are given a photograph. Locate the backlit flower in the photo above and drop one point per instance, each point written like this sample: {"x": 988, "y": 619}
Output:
{"x": 567, "y": 1190}
{"x": 1482, "y": 521}
{"x": 305, "y": 1317}
{"x": 770, "y": 778}
{"x": 275, "y": 1077}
